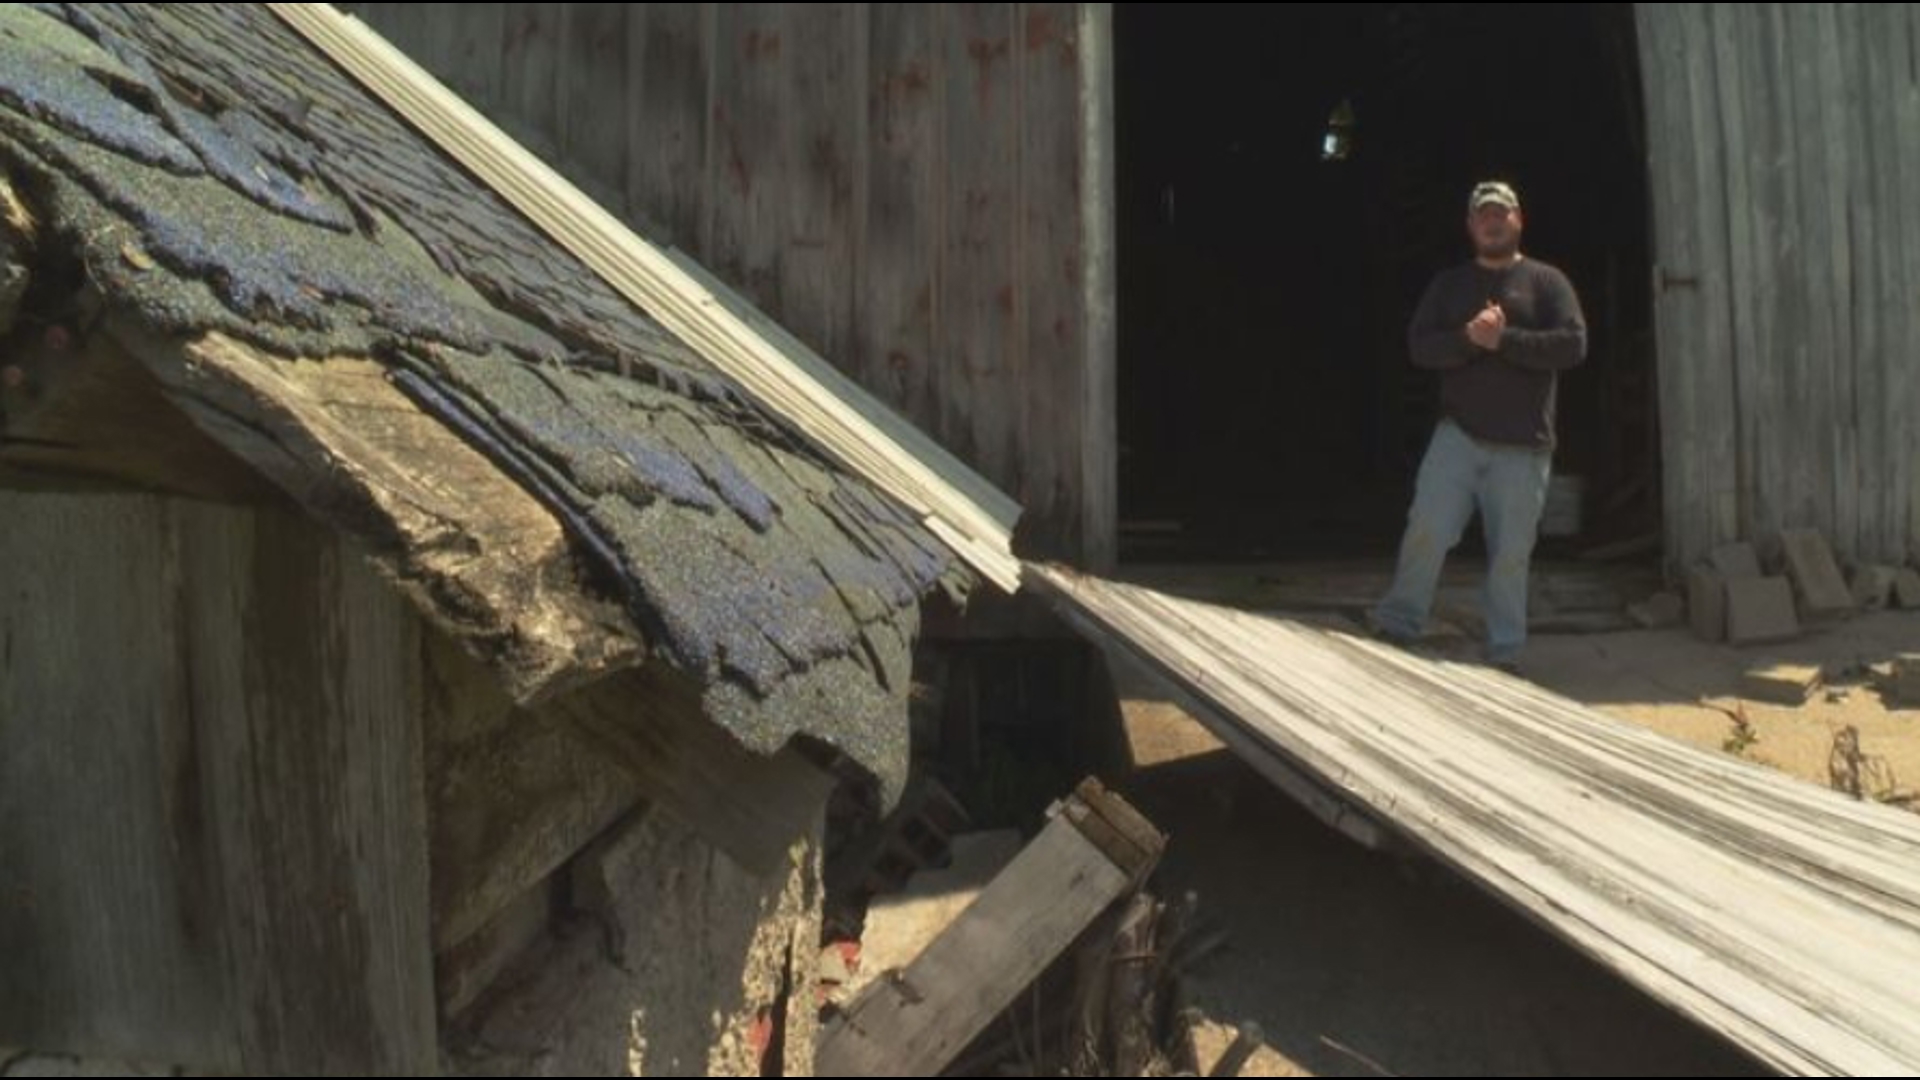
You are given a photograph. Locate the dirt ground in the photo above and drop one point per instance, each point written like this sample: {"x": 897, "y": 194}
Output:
{"x": 1673, "y": 683}
{"x": 1362, "y": 964}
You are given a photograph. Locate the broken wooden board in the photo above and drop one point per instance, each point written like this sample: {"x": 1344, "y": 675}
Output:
{"x": 1873, "y": 587}
{"x": 915, "y": 1022}
{"x": 1733, "y": 561}
{"x": 1129, "y": 840}
{"x": 1707, "y": 603}
{"x": 1906, "y": 589}
{"x": 1816, "y": 576}
{"x": 483, "y": 558}
{"x": 1781, "y": 915}
{"x": 1780, "y": 684}
{"x": 1760, "y": 610}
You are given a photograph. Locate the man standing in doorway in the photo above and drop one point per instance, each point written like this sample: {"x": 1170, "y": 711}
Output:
{"x": 1498, "y": 329}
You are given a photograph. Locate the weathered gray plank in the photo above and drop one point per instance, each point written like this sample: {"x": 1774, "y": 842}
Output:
{"x": 1761, "y": 610}
{"x": 1816, "y": 576}
{"x": 1746, "y": 223}
{"x": 1855, "y": 206}
{"x": 473, "y": 62}
{"x": 1099, "y": 478}
{"x": 1903, "y": 92}
{"x": 750, "y": 160}
{"x": 1809, "y": 339}
{"x": 1766, "y": 141}
{"x": 1652, "y": 64}
{"x": 1886, "y": 354}
{"x": 1687, "y": 289}
{"x": 1707, "y": 603}
{"x": 1672, "y": 147}
{"x": 823, "y": 116}
{"x": 1903, "y": 402}
{"x": 896, "y": 285}
{"x": 223, "y": 845}
{"x": 1051, "y": 261}
{"x": 1714, "y": 405}
{"x": 592, "y": 91}
{"x": 1826, "y": 209}
{"x": 983, "y": 339}
{"x": 1870, "y": 268}
{"x": 669, "y": 64}
{"x": 1680, "y": 304}
{"x": 403, "y": 24}
{"x": 529, "y": 56}
{"x": 109, "y": 924}
{"x": 1780, "y": 684}
{"x": 305, "y": 689}
{"x": 1878, "y": 270}
{"x": 439, "y": 42}
{"x": 1782, "y": 128}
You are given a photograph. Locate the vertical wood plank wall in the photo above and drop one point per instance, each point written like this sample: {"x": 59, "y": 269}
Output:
{"x": 1784, "y": 146}
{"x": 213, "y": 840}
{"x": 903, "y": 186}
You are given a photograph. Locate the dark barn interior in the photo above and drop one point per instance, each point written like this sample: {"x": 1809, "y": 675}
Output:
{"x": 1289, "y": 179}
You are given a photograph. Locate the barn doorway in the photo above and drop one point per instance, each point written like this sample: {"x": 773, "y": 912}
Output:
{"x": 1289, "y": 177}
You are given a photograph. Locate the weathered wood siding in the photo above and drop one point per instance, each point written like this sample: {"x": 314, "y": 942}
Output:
{"x": 1784, "y": 146}
{"x": 902, "y": 185}
{"x": 213, "y": 845}
{"x": 906, "y": 186}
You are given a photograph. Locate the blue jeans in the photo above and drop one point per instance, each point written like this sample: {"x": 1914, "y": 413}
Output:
{"x": 1509, "y": 486}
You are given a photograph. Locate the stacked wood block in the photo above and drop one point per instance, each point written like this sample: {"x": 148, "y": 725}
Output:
{"x": 1732, "y": 597}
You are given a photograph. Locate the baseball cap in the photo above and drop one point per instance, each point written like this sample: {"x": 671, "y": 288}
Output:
{"x": 1492, "y": 192}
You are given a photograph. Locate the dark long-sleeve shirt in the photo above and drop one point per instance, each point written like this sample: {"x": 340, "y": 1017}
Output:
{"x": 1504, "y": 396}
